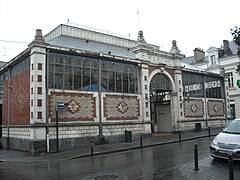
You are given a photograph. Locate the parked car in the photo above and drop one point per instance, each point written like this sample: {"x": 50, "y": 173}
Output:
{"x": 227, "y": 142}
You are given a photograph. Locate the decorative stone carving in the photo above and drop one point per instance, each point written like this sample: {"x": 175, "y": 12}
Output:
{"x": 174, "y": 48}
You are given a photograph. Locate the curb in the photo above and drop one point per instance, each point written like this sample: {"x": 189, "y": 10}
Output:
{"x": 137, "y": 147}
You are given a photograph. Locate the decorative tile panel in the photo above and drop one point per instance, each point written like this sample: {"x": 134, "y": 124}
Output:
{"x": 121, "y": 107}
{"x": 19, "y": 99}
{"x": 215, "y": 108}
{"x": 78, "y": 107}
{"x": 193, "y": 108}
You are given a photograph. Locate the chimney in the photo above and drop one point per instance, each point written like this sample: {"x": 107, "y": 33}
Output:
{"x": 225, "y": 46}
{"x": 198, "y": 54}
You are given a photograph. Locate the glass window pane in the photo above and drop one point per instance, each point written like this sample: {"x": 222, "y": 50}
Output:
{"x": 125, "y": 83}
{"x": 59, "y": 76}
{"x": 77, "y": 78}
{"x": 68, "y": 78}
{"x": 94, "y": 80}
{"x": 105, "y": 81}
{"x": 118, "y": 82}
{"x": 86, "y": 79}
{"x": 112, "y": 81}
{"x": 51, "y": 76}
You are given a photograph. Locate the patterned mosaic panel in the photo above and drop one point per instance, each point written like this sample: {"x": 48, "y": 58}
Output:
{"x": 193, "y": 108}
{"x": 215, "y": 108}
{"x": 78, "y": 106}
{"x": 121, "y": 107}
{"x": 19, "y": 106}
{"x": 20, "y": 98}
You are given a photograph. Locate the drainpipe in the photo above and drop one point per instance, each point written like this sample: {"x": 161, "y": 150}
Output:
{"x": 222, "y": 72}
{"x": 46, "y": 85}
{"x": 9, "y": 91}
{"x": 101, "y": 138}
{"x": 205, "y": 100}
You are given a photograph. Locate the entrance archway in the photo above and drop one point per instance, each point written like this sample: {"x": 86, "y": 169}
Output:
{"x": 160, "y": 98}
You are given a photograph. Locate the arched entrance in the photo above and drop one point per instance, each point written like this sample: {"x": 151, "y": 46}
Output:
{"x": 160, "y": 89}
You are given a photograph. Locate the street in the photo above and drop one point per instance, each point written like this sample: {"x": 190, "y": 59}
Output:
{"x": 171, "y": 161}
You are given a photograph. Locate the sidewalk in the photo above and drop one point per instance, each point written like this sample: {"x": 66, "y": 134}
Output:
{"x": 148, "y": 141}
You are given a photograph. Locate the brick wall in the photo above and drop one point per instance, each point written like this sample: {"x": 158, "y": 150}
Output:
{"x": 152, "y": 68}
{"x": 19, "y": 105}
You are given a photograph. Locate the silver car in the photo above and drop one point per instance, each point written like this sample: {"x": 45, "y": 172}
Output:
{"x": 227, "y": 142}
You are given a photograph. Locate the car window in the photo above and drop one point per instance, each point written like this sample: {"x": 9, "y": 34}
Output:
{"x": 233, "y": 127}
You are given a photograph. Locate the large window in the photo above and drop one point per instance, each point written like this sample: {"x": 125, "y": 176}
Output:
{"x": 86, "y": 73}
{"x": 213, "y": 60}
{"x": 213, "y": 87}
{"x": 230, "y": 80}
{"x": 160, "y": 82}
{"x": 192, "y": 85}
{"x": 195, "y": 85}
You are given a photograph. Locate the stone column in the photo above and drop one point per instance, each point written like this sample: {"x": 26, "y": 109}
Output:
{"x": 177, "y": 100}
{"x": 226, "y": 96}
{"x": 145, "y": 98}
{"x": 38, "y": 94}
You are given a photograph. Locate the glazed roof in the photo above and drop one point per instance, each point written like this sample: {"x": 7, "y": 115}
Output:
{"x": 93, "y": 46}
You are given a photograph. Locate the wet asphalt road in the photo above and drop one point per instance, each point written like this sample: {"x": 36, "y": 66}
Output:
{"x": 172, "y": 161}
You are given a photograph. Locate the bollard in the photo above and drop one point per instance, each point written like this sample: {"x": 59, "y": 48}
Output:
{"x": 196, "y": 157}
{"x": 209, "y": 131}
{"x": 230, "y": 164}
{"x": 179, "y": 135}
{"x": 91, "y": 148}
{"x": 141, "y": 144}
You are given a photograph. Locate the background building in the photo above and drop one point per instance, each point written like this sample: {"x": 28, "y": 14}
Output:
{"x": 218, "y": 59}
{"x": 78, "y": 84}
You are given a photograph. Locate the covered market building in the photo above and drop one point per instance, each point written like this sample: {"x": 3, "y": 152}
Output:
{"x": 77, "y": 84}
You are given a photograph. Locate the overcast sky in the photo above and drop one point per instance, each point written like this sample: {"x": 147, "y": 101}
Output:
{"x": 191, "y": 23}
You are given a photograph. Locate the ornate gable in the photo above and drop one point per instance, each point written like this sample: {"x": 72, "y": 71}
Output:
{"x": 212, "y": 49}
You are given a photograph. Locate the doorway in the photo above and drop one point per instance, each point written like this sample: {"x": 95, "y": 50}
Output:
{"x": 160, "y": 99}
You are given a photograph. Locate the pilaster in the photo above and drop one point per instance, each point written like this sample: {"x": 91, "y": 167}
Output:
{"x": 38, "y": 93}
